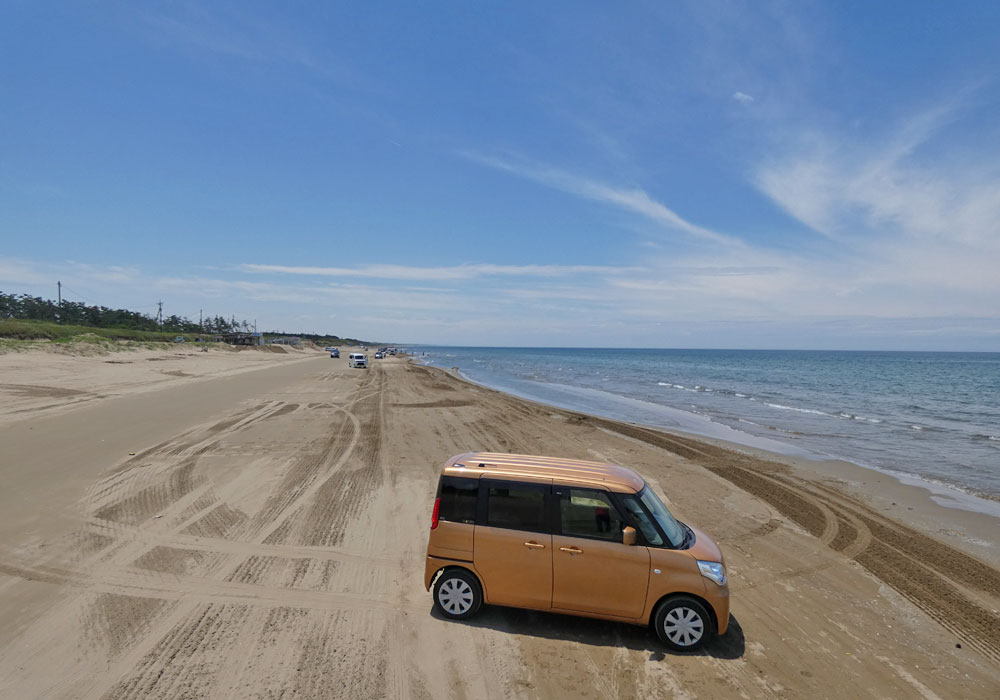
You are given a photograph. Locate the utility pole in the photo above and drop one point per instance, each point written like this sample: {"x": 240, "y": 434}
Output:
{"x": 159, "y": 314}
{"x": 59, "y": 315}
{"x": 200, "y": 324}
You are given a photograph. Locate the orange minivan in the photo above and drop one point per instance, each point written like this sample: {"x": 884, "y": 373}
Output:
{"x": 573, "y": 537}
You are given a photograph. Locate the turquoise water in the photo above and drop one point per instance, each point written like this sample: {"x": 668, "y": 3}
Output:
{"x": 934, "y": 417}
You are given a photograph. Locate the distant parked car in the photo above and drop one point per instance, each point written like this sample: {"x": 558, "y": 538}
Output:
{"x": 179, "y": 339}
{"x": 378, "y": 356}
{"x": 334, "y": 352}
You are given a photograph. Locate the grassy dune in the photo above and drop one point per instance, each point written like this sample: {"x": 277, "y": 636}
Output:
{"x": 16, "y": 334}
{"x": 43, "y": 330}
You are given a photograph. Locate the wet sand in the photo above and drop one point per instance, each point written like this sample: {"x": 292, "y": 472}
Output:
{"x": 178, "y": 524}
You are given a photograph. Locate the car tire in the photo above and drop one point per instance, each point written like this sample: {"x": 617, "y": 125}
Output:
{"x": 457, "y": 594}
{"x": 683, "y": 624}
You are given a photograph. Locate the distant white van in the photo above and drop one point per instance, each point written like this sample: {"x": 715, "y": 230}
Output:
{"x": 356, "y": 359}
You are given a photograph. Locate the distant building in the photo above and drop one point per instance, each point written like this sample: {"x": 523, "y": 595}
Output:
{"x": 239, "y": 338}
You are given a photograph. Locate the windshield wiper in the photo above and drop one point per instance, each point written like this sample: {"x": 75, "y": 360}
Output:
{"x": 688, "y": 536}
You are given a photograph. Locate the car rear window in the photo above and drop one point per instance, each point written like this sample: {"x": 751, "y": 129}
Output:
{"x": 459, "y": 496}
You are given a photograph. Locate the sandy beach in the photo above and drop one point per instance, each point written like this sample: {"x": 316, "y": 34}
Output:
{"x": 250, "y": 524}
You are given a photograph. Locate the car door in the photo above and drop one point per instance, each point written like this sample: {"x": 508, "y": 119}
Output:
{"x": 592, "y": 571}
{"x": 513, "y": 543}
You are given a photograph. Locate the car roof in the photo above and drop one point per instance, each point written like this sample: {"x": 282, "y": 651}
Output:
{"x": 559, "y": 470}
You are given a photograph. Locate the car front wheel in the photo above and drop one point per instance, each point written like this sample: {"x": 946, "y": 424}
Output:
{"x": 457, "y": 594}
{"x": 683, "y": 624}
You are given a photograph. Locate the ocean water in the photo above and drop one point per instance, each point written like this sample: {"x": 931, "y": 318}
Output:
{"x": 928, "y": 418}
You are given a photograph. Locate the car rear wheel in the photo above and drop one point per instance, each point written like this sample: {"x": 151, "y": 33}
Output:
{"x": 457, "y": 594}
{"x": 683, "y": 624}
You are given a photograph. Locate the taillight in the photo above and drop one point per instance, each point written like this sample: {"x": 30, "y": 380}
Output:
{"x": 437, "y": 511}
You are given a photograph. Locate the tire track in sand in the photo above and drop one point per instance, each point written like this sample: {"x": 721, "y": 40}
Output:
{"x": 154, "y": 657}
{"x": 929, "y": 573}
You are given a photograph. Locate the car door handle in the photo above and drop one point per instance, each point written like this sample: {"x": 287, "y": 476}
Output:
{"x": 534, "y": 545}
{"x": 571, "y": 550}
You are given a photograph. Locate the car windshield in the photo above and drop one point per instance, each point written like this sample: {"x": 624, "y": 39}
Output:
{"x": 670, "y": 527}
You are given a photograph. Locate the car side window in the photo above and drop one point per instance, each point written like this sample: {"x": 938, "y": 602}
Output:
{"x": 589, "y": 513}
{"x": 641, "y": 520}
{"x": 516, "y": 506}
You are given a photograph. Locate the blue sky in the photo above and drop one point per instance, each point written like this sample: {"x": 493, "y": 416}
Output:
{"x": 658, "y": 174}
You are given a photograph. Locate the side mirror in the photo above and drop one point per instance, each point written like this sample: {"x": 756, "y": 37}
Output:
{"x": 628, "y": 535}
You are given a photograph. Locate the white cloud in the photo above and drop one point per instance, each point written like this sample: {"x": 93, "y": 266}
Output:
{"x": 717, "y": 298}
{"x": 921, "y": 233}
{"x": 236, "y": 33}
{"x": 455, "y": 272}
{"x": 14, "y": 273}
{"x": 634, "y": 200}
{"x": 825, "y": 181}
{"x": 216, "y": 39}
{"x": 803, "y": 188}
{"x": 742, "y": 97}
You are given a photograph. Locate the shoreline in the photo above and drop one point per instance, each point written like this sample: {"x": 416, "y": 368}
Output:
{"x": 917, "y": 504}
{"x": 919, "y": 435}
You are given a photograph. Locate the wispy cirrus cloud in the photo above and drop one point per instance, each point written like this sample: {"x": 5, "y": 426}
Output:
{"x": 236, "y": 33}
{"x": 19, "y": 272}
{"x": 454, "y": 272}
{"x": 206, "y": 35}
{"x": 377, "y": 298}
{"x": 667, "y": 302}
{"x": 16, "y": 271}
{"x": 832, "y": 183}
{"x": 917, "y": 226}
{"x": 634, "y": 200}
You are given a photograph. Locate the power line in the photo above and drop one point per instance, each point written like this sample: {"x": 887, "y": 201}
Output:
{"x": 89, "y": 298}
{"x": 74, "y": 293}
{"x": 86, "y": 299}
{"x": 158, "y": 317}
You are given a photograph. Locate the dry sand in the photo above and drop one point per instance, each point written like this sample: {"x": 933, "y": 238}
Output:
{"x": 266, "y": 540}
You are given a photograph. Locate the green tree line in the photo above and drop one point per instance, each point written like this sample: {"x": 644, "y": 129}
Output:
{"x": 27, "y": 307}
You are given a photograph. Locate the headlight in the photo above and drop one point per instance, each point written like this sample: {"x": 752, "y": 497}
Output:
{"x": 714, "y": 571}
